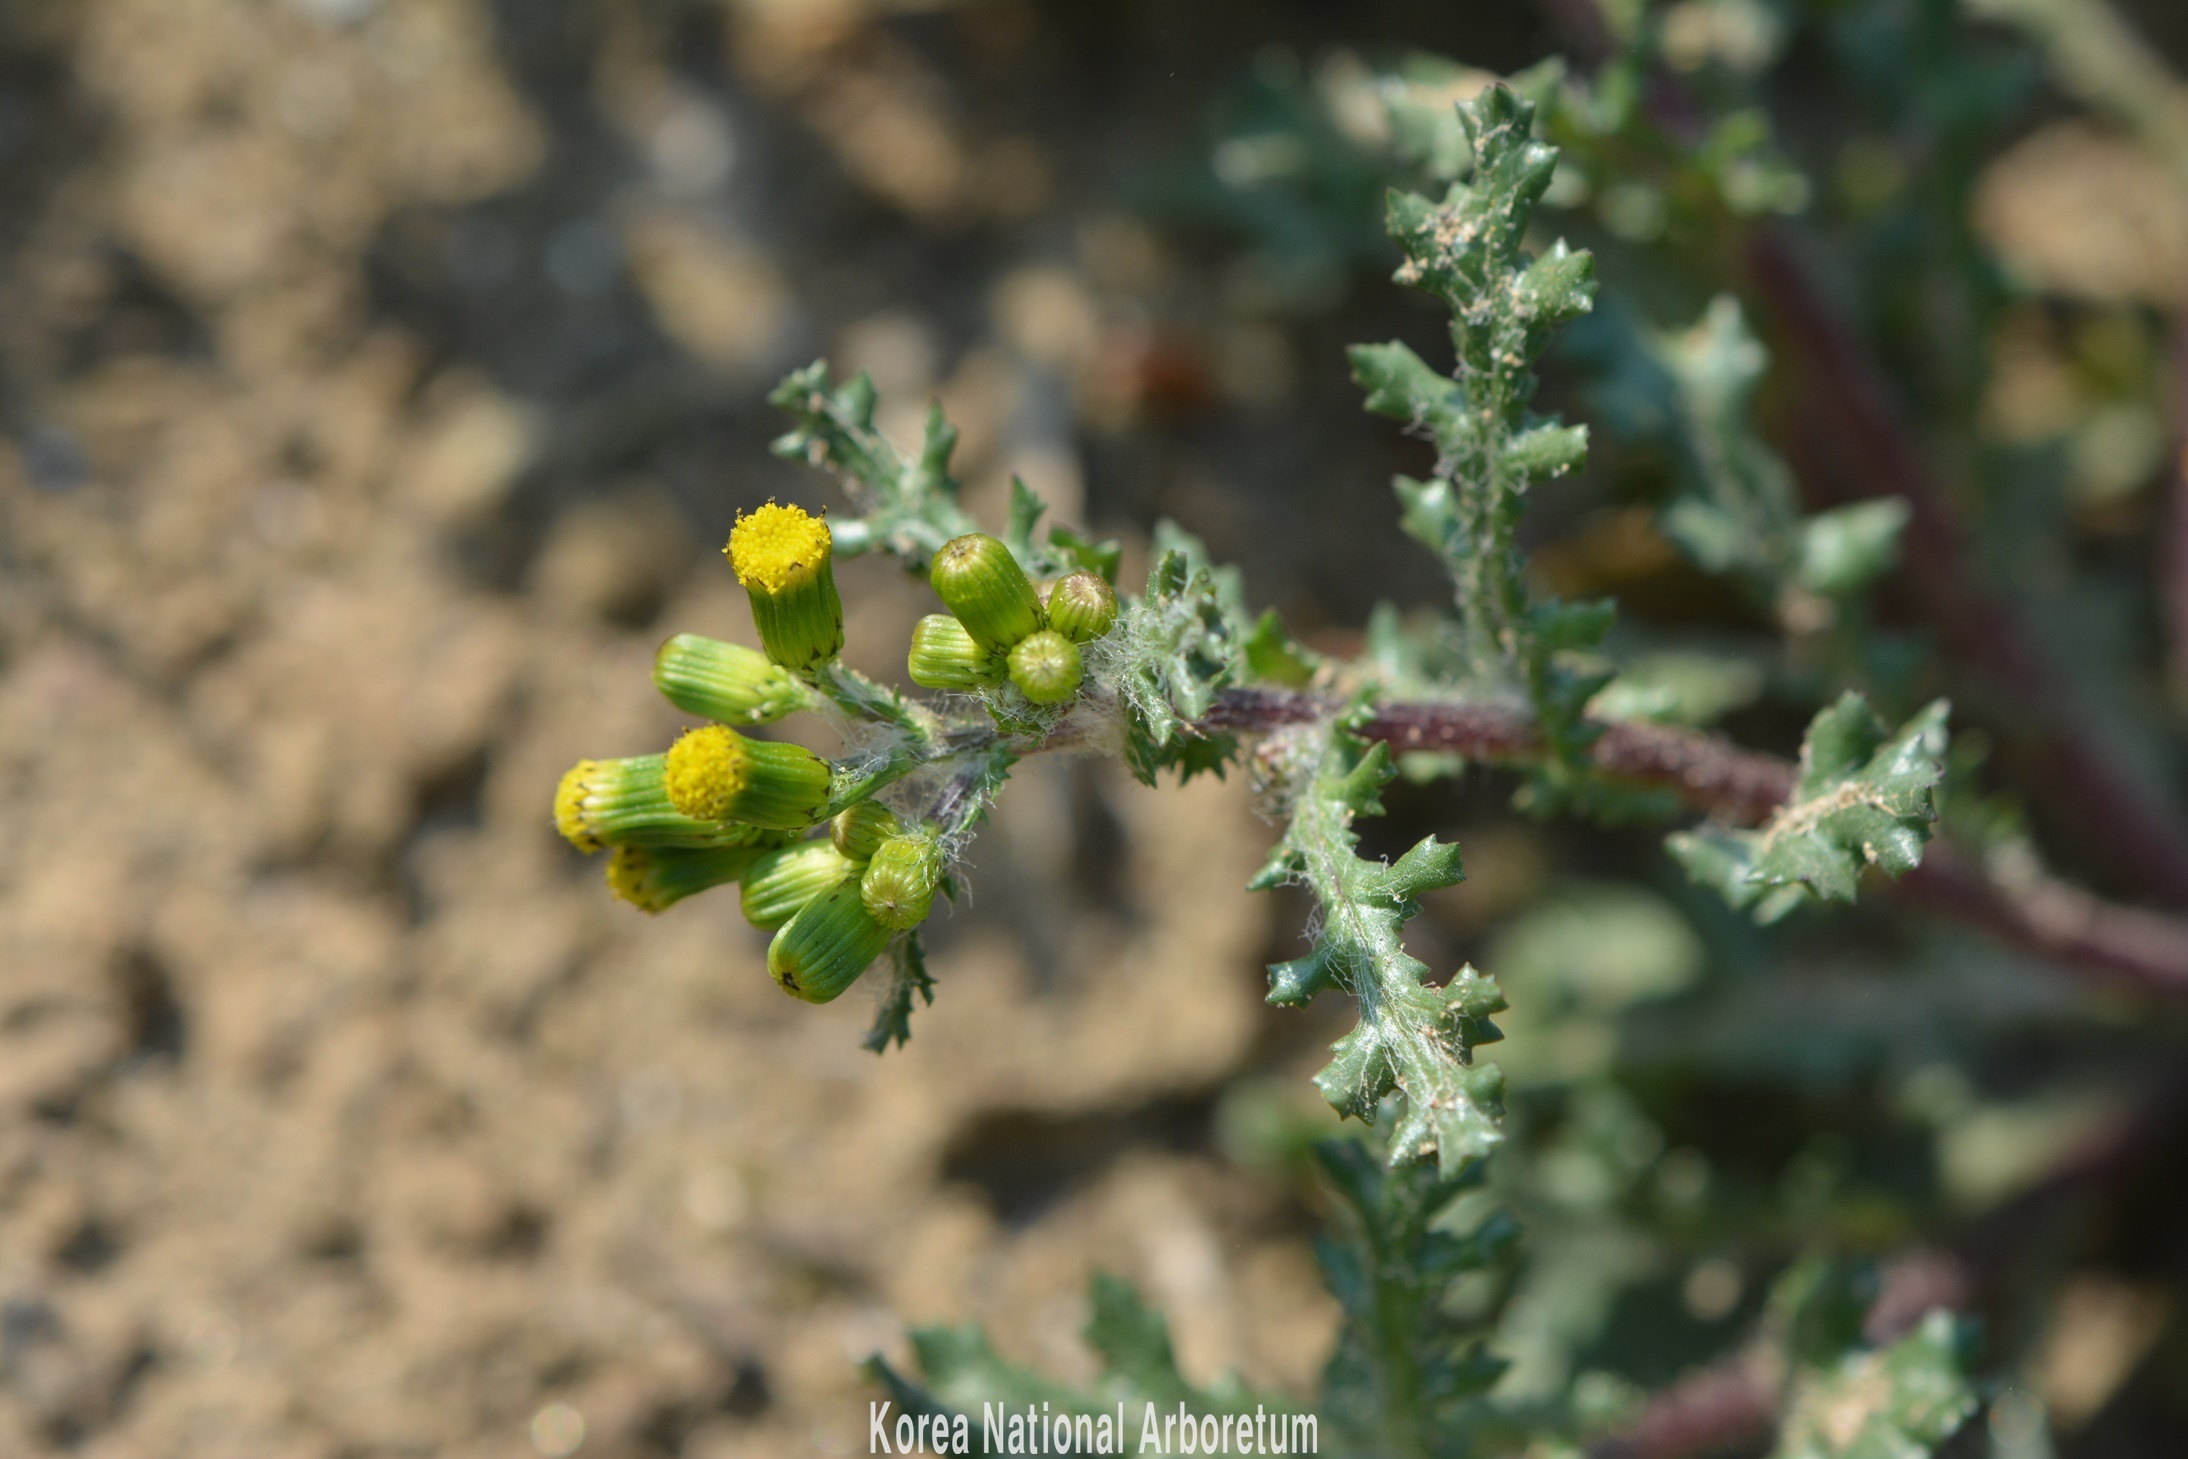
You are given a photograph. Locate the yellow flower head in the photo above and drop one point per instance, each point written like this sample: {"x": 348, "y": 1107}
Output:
{"x": 716, "y": 774}
{"x": 777, "y": 546}
{"x": 781, "y": 555}
{"x": 706, "y": 770}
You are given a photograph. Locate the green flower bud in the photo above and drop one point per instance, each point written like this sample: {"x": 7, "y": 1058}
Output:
{"x": 717, "y": 774}
{"x": 627, "y": 803}
{"x": 726, "y": 681}
{"x": 651, "y": 878}
{"x": 898, "y": 887}
{"x": 778, "y": 884}
{"x": 821, "y": 951}
{"x": 1082, "y": 606}
{"x": 1045, "y": 667}
{"x": 983, "y": 585}
{"x": 858, "y": 829}
{"x": 783, "y": 556}
{"x": 944, "y": 656}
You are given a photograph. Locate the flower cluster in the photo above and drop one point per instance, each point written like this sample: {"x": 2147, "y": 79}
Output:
{"x": 722, "y": 807}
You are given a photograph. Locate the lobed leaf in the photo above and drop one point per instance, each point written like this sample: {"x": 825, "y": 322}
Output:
{"x": 1414, "y": 1039}
{"x": 1173, "y": 648}
{"x": 1863, "y": 798}
{"x": 909, "y": 982}
{"x": 1468, "y": 249}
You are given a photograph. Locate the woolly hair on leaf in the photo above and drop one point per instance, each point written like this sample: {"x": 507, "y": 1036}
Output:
{"x": 654, "y": 878}
{"x": 716, "y": 774}
{"x": 726, "y": 681}
{"x": 984, "y": 587}
{"x": 784, "y": 557}
{"x": 626, "y": 802}
{"x": 777, "y": 886}
{"x": 823, "y": 950}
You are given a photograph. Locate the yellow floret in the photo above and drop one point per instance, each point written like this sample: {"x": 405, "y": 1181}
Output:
{"x": 772, "y": 547}
{"x": 706, "y": 769}
{"x": 570, "y": 807}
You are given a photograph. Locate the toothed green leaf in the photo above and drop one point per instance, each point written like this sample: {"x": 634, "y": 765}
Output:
{"x": 1693, "y": 392}
{"x": 1468, "y": 250}
{"x": 1025, "y": 512}
{"x": 1173, "y": 648}
{"x": 1414, "y": 1039}
{"x": 1403, "y": 386}
{"x": 1077, "y": 552}
{"x": 1546, "y": 450}
{"x": 1842, "y": 551}
{"x": 1863, "y": 798}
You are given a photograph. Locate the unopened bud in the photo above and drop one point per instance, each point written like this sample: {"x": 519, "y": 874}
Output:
{"x": 783, "y": 556}
{"x": 858, "y": 829}
{"x": 944, "y": 656}
{"x": 1082, "y": 606}
{"x": 726, "y": 681}
{"x": 898, "y": 886}
{"x": 1045, "y": 667}
{"x": 821, "y": 951}
{"x": 778, "y": 884}
{"x": 983, "y": 585}
{"x": 716, "y": 774}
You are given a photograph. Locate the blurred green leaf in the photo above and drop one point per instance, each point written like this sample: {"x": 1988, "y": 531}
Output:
{"x": 1405, "y": 1379}
{"x": 1677, "y": 686}
{"x": 1842, "y": 551}
{"x": 1898, "y": 1402}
